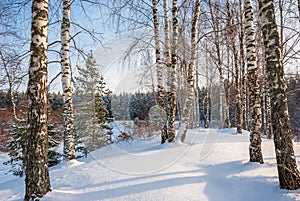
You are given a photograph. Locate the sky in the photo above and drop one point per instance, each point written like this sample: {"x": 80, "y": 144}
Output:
{"x": 110, "y": 45}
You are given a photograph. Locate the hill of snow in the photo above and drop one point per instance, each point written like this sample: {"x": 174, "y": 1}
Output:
{"x": 212, "y": 165}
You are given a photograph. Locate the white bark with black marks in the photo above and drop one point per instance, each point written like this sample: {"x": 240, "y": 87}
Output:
{"x": 68, "y": 116}
{"x": 191, "y": 75}
{"x": 37, "y": 179}
{"x": 254, "y": 97}
{"x": 289, "y": 176}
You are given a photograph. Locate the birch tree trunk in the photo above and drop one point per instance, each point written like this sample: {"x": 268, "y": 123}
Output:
{"x": 159, "y": 71}
{"x": 269, "y": 114}
{"x": 232, "y": 33}
{"x": 289, "y": 177}
{"x": 167, "y": 43}
{"x": 254, "y": 97}
{"x": 191, "y": 75}
{"x": 299, "y": 8}
{"x": 242, "y": 64}
{"x": 68, "y": 116}
{"x": 215, "y": 23}
{"x": 37, "y": 179}
{"x": 10, "y": 84}
{"x": 171, "y": 98}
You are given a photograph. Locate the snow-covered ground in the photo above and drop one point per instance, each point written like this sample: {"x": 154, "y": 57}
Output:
{"x": 212, "y": 165}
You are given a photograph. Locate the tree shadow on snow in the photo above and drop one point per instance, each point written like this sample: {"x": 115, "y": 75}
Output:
{"x": 125, "y": 188}
{"x": 230, "y": 182}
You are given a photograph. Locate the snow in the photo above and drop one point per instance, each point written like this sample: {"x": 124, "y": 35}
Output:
{"x": 212, "y": 165}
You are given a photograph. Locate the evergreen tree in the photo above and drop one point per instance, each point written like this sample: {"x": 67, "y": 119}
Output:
{"x": 16, "y": 146}
{"x": 119, "y": 106}
{"x": 91, "y": 114}
{"x": 139, "y": 106}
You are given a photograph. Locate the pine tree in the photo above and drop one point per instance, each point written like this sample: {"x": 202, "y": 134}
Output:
{"x": 91, "y": 116}
{"x": 16, "y": 147}
{"x": 139, "y": 106}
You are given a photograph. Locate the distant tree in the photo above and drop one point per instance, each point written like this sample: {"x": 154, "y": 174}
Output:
{"x": 139, "y": 106}
{"x": 215, "y": 15}
{"x": 232, "y": 32}
{"x": 56, "y": 101}
{"x": 119, "y": 106}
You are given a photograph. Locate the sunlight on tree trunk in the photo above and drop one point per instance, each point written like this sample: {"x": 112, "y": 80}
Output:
{"x": 69, "y": 146}
{"x": 289, "y": 177}
{"x": 255, "y": 103}
{"x": 36, "y": 158}
{"x": 171, "y": 98}
{"x": 191, "y": 75}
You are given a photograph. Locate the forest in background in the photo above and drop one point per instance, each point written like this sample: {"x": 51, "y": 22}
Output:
{"x": 120, "y": 110}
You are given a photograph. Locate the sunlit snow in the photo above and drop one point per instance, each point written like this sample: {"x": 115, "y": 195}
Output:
{"x": 211, "y": 166}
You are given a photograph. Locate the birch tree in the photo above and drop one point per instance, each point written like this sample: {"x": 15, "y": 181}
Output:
{"x": 232, "y": 34}
{"x": 5, "y": 65}
{"x": 171, "y": 98}
{"x": 289, "y": 177}
{"x": 157, "y": 49}
{"x": 36, "y": 160}
{"x": 159, "y": 67}
{"x": 168, "y": 58}
{"x": 191, "y": 74}
{"x": 255, "y": 103}
{"x": 243, "y": 86}
{"x": 69, "y": 146}
{"x": 167, "y": 41}
{"x": 214, "y": 14}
